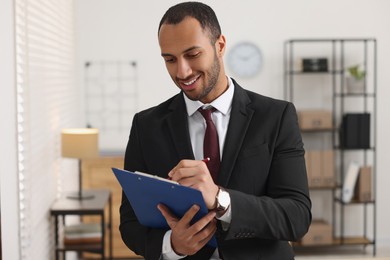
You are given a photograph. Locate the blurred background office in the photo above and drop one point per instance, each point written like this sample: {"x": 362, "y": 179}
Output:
{"x": 94, "y": 63}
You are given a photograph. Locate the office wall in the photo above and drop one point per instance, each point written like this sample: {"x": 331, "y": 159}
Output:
{"x": 8, "y": 154}
{"x": 127, "y": 30}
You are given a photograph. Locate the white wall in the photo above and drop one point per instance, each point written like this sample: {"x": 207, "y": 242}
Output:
{"x": 122, "y": 29}
{"x": 8, "y": 143}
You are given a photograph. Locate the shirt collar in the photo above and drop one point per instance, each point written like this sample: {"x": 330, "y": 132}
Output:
{"x": 222, "y": 103}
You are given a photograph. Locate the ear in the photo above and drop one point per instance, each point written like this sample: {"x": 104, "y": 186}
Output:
{"x": 220, "y": 45}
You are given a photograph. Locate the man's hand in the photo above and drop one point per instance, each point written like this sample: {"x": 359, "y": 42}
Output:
{"x": 187, "y": 239}
{"x": 195, "y": 174}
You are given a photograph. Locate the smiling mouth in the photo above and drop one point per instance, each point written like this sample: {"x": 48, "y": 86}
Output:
{"x": 191, "y": 82}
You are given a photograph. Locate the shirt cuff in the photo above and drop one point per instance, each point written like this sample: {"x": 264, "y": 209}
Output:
{"x": 167, "y": 250}
{"x": 226, "y": 218}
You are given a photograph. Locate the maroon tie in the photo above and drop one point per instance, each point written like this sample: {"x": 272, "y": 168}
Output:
{"x": 210, "y": 143}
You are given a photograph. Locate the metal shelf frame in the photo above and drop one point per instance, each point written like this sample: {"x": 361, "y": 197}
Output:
{"x": 337, "y": 73}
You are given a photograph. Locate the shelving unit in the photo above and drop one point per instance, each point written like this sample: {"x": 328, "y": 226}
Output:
{"x": 327, "y": 89}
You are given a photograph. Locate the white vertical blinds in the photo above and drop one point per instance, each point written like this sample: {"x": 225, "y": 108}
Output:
{"x": 47, "y": 100}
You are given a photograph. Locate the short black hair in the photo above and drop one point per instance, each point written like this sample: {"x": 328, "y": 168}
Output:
{"x": 201, "y": 12}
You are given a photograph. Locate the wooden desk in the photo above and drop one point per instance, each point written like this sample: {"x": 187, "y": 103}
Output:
{"x": 95, "y": 206}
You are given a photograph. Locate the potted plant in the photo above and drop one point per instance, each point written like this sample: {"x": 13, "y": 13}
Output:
{"x": 355, "y": 79}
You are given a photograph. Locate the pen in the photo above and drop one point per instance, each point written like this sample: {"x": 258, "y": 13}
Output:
{"x": 206, "y": 160}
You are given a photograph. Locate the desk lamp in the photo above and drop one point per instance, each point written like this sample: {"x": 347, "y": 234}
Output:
{"x": 80, "y": 143}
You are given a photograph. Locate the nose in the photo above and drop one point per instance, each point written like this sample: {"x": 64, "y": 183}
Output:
{"x": 183, "y": 69}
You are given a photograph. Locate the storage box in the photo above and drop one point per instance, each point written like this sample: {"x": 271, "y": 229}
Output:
{"x": 315, "y": 64}
{"x": 327, "y": 168}
{"x": 320, "y": 168}
{"x": 363, "y": 191}
{"x": 315, "y": 119}
{"x": 320, "y": 233}
{"x": 313, "y": 168}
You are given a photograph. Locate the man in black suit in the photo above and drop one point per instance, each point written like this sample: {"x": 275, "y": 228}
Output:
{"x": 259, "y": 199}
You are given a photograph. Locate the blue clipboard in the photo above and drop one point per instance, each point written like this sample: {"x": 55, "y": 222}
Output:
{"x": 145, "y": 192}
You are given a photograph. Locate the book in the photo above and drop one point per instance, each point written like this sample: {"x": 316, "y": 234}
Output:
{"x": 82, "y": 240}
{"x": 350, "y": 182}
{"x": 145, "y": 192}
{"x": 83, "y": 233}
{"x": 83, "y": 228}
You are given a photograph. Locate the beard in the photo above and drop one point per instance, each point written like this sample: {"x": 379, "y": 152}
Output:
{"x": 212, "y": 75}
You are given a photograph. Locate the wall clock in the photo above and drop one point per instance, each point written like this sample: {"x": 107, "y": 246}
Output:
{"x": 245, "y": 59}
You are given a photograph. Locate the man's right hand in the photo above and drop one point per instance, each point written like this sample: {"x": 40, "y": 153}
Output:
{"x": 187, "y": 239}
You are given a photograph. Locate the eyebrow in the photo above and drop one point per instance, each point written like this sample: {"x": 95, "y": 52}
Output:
{"x": 187, "y": 50}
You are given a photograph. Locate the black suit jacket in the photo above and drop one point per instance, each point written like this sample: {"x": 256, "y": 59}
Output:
{"x": 263, "y": 169}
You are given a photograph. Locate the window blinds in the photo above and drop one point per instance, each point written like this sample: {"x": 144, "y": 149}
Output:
{"x": 47, "y": 100}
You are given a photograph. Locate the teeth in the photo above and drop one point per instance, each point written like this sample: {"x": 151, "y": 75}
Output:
{"x": 190, "y": 82}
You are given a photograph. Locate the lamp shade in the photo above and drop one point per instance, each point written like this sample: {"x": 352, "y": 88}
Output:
{"x": 80, "y": 142}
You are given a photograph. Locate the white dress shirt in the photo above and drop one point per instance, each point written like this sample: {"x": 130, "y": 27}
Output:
{"x": 197, "y": 128}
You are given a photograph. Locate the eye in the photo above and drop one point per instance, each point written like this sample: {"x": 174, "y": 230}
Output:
{"x": 169, "y": 59}
{"x": 192, "y": 55}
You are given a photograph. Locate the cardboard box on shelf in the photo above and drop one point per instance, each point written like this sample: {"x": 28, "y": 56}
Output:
{"x": 320, "y": 233}
{"x": 320, "y": 168}
{"x": 363, "y": 190}
{"x": 327, "y": 168}
{"x": 313, "y": 162}
{"x": 315, "y": 119}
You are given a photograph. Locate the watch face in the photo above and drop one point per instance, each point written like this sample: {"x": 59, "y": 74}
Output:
{"x": 223, "y": 199}
{"x": 245, "y": 59}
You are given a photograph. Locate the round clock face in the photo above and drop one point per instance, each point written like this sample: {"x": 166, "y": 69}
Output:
{"x": 245, "y": 59}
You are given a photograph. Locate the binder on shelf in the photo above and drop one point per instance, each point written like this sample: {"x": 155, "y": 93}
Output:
{"x": 355, "y": 131}
{"x": 145, "y": 192}
{"x": 350, "y": 182}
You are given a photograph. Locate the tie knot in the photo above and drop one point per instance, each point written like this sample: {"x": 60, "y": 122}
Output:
{"x": 206, "y": 113}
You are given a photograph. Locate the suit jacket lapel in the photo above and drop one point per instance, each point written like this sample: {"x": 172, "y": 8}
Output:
{"x": 240, "y": 119}
{"x": 178, "y": 126}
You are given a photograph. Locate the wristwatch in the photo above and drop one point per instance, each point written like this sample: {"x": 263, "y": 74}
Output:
{"x": 223, "y": 200}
